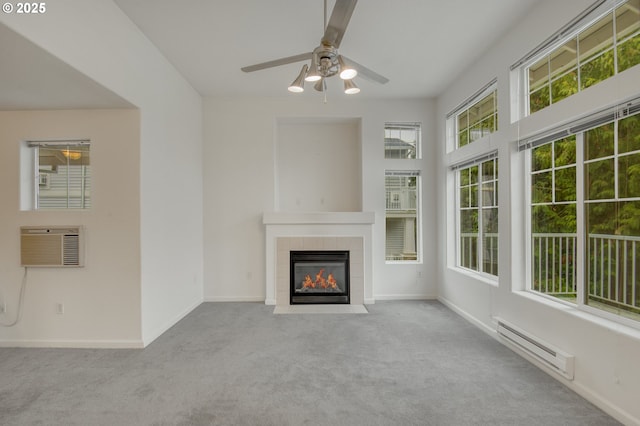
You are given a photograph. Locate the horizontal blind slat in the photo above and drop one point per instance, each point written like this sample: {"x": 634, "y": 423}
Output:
{"x": 477, "y": 160}
{"x": 623, "y": 109}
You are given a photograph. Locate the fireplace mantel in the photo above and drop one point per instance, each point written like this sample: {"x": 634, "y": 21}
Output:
{"x": 317, "y": 231}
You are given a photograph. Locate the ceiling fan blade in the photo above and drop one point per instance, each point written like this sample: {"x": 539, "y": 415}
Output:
{"x": 365, "y": 72}
{"x": 278, "y": 62}
{"x": 340, "y": 17}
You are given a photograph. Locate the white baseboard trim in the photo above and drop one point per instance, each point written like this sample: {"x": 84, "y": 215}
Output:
{"x": 473, "y": 320}
{"x": 73, "y": 344}
{"x": 404, "y": 297}
{"x": 371, "y": 301}
{"x": 596, "y": 399}
{"x": 167, "y": 325}
{"x": 237, "y": 299}
{"x": 605, "y": 405}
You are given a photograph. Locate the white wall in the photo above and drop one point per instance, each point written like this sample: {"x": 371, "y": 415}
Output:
{"x": 240, "y": 184}
{"x": 101, "y": 300}
{"x": 606, "y": 353}
{"x": 313, "y": 158}
{"x": 97, "y": 39}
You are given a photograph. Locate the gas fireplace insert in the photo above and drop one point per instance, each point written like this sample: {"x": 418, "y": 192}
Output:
{"x": 319, "y": 277}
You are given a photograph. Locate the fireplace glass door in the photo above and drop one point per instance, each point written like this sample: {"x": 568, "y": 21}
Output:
{"x": 319, "y": 277}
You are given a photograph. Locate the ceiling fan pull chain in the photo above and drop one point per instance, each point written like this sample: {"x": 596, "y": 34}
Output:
{"x": 324, "y": 88}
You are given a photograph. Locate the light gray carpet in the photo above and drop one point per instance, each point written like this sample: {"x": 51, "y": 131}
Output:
{"x": 404, "y": 363}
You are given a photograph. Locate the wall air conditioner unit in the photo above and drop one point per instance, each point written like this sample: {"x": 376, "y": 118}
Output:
{"x": 559, "y": 361}
{"x": 51, "y": 246}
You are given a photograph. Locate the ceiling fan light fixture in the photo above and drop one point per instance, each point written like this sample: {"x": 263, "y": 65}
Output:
{"x": 350, "y": 87}
{"x": 313, "y": 74}
{"x": 325, "y": 59}
{"x": 346, "y": 72}
{"x": 298, "y": 84}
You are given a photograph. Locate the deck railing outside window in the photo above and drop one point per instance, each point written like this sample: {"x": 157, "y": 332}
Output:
{"x": 612, "y": 272}
{"x": 469, "y": 252}
{"x": 401, "y": 199}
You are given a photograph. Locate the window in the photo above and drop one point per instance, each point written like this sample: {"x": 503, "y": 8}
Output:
{"x": 60, "y": 173}
{"x": 477, "y": 188}
{"x": 401, "y": 215}
{"x": 594, "y": 169}
{"x": 478, "y": 120}
{"x": 553, "y": 218}
{"x": 402, "y": 140}
{"x": 612, "y": 214}
{"x": 598, "y": 46}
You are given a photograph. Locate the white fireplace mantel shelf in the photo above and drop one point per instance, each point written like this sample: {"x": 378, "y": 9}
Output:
{"x": 313, "y": 218}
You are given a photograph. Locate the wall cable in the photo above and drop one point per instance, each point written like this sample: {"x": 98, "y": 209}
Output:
{"x": 20, "y": 301}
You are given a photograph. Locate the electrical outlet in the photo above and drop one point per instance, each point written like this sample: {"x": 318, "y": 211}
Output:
{"x": 59, "y": 308}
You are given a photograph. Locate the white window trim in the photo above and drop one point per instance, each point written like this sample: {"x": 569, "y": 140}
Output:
{"x": 519, "y": 80}
{"x": 620, "y": 110}
{"x": 419, "y": 244}
{"x": 451, "y": 123}
{"x": 408, "y": 125}
{"x": 453, "y": 170}
{"x": 567, "y": 31}
{"x": 576, "y": 127}
{"x": 29, "y": 174}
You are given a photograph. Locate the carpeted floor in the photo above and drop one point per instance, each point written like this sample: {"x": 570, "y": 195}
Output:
{"x": 404, "y": 363}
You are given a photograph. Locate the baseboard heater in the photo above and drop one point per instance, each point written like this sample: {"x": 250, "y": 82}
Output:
{"x": 559, "y": 361}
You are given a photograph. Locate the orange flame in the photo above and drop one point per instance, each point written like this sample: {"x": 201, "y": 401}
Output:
{"x": 320, "y": 281}
{"x": 332, "y": 281}
{"x": 307, "y": 283}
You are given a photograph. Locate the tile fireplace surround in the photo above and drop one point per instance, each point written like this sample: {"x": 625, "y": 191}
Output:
{"x": 286, "y": 231}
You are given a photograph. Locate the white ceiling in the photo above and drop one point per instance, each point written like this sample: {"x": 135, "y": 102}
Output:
{"x": 420, "y": 45}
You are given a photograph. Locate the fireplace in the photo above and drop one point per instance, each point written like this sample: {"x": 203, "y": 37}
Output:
{"x": 319, "y": 277}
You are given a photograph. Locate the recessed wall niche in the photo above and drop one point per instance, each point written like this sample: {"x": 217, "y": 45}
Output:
{"x": 318, "y": 164}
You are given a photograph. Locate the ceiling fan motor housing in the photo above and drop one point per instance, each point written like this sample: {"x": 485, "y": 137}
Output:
{"x": 327, "y": 60}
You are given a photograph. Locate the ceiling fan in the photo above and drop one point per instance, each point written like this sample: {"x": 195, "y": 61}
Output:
{"x": 325, "y": 59}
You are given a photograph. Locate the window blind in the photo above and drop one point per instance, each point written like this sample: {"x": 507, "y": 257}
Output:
{"x": 58, "y": 143}
{"x": 589, "y": 15}
{"x": 471, "y": 99}
{"x": 598, "y": 118}
{"x": 476, "y": 160}
{"x": 402, "y": 126}
{"x": 405, "y": 173}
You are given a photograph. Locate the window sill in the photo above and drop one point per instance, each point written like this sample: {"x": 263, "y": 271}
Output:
{"x": 479, "y": 276}
{"x": 625, "y": 326}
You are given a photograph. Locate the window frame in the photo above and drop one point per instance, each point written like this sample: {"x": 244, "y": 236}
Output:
{"x": 397, "y": 125}
{"x": 578, "y": 128}
{"x": 597, "y": 12}
{"x": 480, "y": 207}
{"x": 452, "y": 118}
{"x": 418, "y": 216}
{"x": 31, "y": 176}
